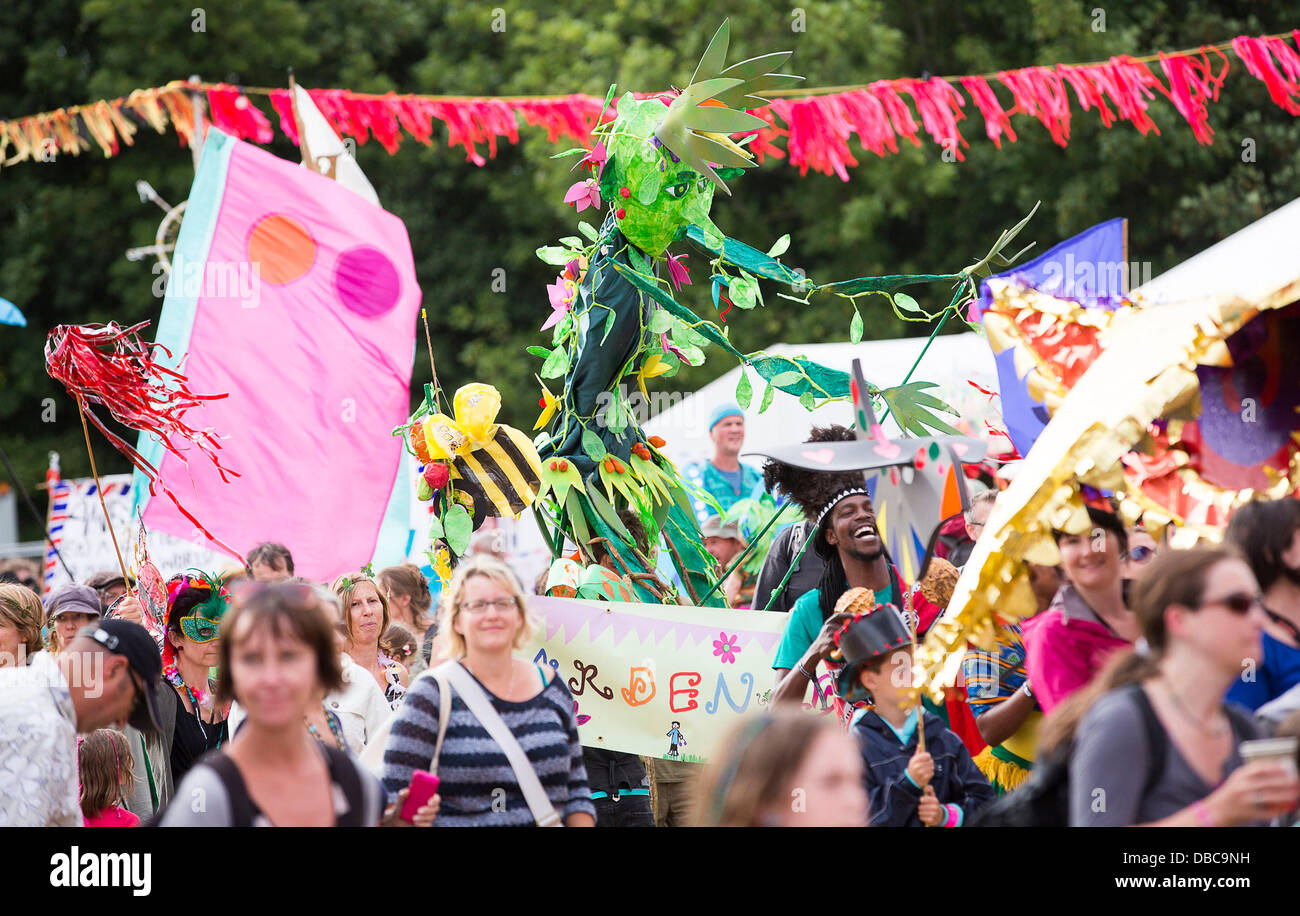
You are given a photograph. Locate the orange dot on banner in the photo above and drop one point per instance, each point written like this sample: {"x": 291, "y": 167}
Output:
{"x": 282, "y": 247}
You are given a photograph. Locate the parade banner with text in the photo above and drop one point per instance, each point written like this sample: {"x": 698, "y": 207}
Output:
{"x": 657, "y": 680}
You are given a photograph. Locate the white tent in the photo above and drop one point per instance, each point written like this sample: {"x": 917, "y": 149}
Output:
{"x": 951, "y": 361}
{"x": 1249, "y": 264}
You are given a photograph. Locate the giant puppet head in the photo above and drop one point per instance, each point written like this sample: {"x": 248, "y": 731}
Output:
{"x": 664, "y": 156}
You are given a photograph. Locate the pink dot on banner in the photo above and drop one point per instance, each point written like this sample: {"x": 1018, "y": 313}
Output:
{"x": 366, "y": 281}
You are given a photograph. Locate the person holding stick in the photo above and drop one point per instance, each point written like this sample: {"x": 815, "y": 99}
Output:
{"x": 917, "y": 771}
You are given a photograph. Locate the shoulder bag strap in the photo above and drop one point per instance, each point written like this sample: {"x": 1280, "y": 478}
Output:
{"x": 1157, "y": 739}
{"x": 241, "y": 806}
{"x": 344, "y": 774}
{"x": 372, "y": 755}
{"x": 472, "y": 694}
{"x": 444, "y": 711}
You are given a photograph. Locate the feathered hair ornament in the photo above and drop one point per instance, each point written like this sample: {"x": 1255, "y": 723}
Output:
{"x": 211, "y": 608}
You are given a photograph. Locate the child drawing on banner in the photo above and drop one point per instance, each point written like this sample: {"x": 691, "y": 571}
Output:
{"x": 677, "y": 738}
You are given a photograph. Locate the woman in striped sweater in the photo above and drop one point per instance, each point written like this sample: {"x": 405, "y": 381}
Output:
{"x": 482, "y": 619}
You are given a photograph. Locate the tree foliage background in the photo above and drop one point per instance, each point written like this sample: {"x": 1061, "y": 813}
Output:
{"x": 66, "y": 224}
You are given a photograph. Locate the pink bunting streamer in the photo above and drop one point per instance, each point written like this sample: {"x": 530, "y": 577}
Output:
{"x": 816, "y": 129}
{"x": 1191, "y": 82}
{"x": 1123, "y": 81}
{"x": 235, "y": 114}
{"x": 996, "y": 121}
{"x": 1038, "y": 91}
{"x": 1258, "y": 53}
{"x": 900, "y": 118}
{"x": 282, "y": 102}
{"x": 940, "y": 108}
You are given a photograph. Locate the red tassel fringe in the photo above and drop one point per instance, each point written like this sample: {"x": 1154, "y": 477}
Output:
{"x": 1258, "y": 53}
{"x": 816, "y": 129}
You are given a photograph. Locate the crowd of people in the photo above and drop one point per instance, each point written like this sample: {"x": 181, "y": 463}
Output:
{"x": 1140, "y": 692}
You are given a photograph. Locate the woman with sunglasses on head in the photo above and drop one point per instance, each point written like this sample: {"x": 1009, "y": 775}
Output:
{"x": 1151, "y": 741}
{"x": 278, "y": 655}
{"x": 365, "y": 612}
{"x": 483, "y": 618}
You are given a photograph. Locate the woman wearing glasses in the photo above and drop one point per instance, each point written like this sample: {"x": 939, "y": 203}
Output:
{"x": 482, "y": 619}
{"x": 1268, "y": 534}
{"x": 1152, "y": 742}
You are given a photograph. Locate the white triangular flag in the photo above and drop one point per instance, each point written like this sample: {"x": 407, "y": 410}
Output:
{"x": 325, "y": 146}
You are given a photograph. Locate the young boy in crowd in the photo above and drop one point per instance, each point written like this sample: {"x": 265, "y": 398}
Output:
{"x": 939, "y": 786}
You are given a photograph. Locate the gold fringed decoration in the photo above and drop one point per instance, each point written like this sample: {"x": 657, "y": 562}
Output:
{"x": 65, "y": 128}
{"x": 14, "y": 137}
{"x": 1146, "y": 372}
{"x": 180, "y": 109}
{"x": 125, "y": 129}
{"x": 101, "y": 129}
{"x": 144, "y": 102}
{"x": 1003, "y": 775}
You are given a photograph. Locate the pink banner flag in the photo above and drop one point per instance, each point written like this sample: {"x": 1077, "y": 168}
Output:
{"x": 299, "y": 299}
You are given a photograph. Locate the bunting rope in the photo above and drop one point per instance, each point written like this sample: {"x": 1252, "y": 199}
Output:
{"x": 816, "y": 123}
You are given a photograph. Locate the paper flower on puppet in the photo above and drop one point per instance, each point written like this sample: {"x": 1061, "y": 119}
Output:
{"x": 474, "y": 467}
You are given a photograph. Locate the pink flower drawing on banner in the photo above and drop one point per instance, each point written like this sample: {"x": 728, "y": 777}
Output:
{"x": 582, "y": 720}
{"x": 726, "y": 646}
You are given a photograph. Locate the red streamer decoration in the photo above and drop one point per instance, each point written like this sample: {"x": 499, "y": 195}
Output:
{"x": 816, "y": 129}
{"x": 1191, "y": 82}
{"x": 115, "y": 367}
{"x": 1258, "y": 53}
{"x": 996, "y": 121}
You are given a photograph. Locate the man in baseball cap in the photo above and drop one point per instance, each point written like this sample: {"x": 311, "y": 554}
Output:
{"x": 128, "y": 640}
{"x": 68, "y": 609}
{"x": 108, "y": 674}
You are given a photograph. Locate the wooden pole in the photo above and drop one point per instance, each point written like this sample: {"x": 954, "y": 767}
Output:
{"x": 126, "y": 580}
{"x": 428, "y": 342}
{"x": 297, "y": 125}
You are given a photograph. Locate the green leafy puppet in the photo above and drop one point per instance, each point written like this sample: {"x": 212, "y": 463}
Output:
{"x": 615, "y": 324}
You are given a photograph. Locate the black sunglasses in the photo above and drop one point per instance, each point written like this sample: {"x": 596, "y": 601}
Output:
{"x": 1240, "y": 603}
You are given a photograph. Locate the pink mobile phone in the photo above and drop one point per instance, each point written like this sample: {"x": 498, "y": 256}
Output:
{"x": 424, "y": 785}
